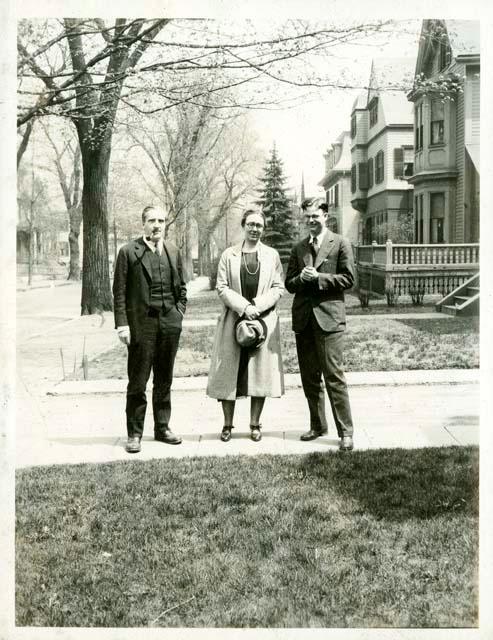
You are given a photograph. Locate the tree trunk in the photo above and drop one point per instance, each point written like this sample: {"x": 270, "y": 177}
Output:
{"x": 187, "y": 254}
{"x": 73, "y": 243}
{"x": 96, "y": 290}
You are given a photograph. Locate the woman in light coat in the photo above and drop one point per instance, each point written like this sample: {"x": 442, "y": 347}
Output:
{"x": 249, "y": 283}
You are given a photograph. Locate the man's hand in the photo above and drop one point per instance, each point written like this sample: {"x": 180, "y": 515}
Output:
{"x": 309, "y": 274}
{"x": 124, "y": 335}
{"x": 251, "y": 312}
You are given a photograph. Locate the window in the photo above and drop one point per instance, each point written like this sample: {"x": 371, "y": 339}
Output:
{"x": 353, "y": 178}
{"x": 418, "y": 142}
{"x": 437, "y": 122}
{"x": 408, "y": 161}
{"x": 403, "y": 162}
{"x": 370, "y": 173}
{"x": 398, "y": 162}
{"x": 373, "y": 108}
{"x": 379, "y": 168}
{"x": 437, "y": 217}
{"x": 363, "y": 175}
{"x": 353, "y": 125}
{"x": 336, "y": 195}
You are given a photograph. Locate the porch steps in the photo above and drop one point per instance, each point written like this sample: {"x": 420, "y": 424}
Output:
{"x": 463, "y": 301}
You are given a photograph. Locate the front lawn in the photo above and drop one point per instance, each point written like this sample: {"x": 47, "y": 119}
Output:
{"x": 206, "y": 304}
{"x": 385, "y": 538}
{"x": 373, "y": 344}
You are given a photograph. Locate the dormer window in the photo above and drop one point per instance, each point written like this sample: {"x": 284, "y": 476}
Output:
{"x": 373, "y": 109}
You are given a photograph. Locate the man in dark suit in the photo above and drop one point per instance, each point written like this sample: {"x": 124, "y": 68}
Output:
{"x": 150, "y": 300}
{"x": 320, "y": 269}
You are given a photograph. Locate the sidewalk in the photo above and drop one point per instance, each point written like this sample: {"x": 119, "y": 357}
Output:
{"x": 72, "y": 429}
{"x": 84, "y": 421}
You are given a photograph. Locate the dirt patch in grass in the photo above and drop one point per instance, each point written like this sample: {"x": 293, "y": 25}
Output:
{"x": 384, "y": 538}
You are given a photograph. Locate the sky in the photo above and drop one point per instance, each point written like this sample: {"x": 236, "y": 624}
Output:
{"x": 304, "y": 133}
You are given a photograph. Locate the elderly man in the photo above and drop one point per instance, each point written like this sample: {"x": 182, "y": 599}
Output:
{"x": 320, "y": 269}
{"x": 150, "y": 300}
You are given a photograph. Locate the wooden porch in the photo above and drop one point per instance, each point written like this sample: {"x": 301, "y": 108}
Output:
{"x": 414, "y": 269}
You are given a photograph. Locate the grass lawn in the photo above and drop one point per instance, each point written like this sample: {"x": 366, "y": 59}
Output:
{"x": 376, "y": 538}
{"x": 391, "y": 345}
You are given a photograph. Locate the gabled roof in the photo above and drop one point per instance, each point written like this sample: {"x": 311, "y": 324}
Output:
{"x": 360, "y": 102}
{"x": 462, "y": 35}
{"x": 344, "y": 161}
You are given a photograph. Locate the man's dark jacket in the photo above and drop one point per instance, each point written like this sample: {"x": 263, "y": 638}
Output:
{"x": 132, "y": 284}
{"x": 334, "y": 263}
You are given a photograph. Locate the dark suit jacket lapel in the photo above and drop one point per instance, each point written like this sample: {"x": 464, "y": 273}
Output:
{"x": 327, "y": 246}
{"x": 142, "y": 255}
{"x": 306, "y": 252}
{"x": 175, "y": 276}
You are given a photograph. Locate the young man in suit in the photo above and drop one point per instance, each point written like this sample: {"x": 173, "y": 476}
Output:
{"x": 320, "y": 269}
{"x": 150, "y": 298}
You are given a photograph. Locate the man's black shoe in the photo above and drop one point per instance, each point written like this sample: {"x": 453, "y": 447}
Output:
{"x": 167, "y": 436}
{"x": 346, "y": 443}
{"x": 312, "y": 435}
{"x": 133, "y": 444}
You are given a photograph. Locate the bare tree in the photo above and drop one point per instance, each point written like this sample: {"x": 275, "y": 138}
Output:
{"x": 85, "y": 69}
{"x": 68, "y": 168}
{"x": 93, "y": 104}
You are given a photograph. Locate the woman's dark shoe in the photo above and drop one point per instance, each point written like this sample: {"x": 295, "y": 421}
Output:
{"x": 226, "y": 434}
{"x": 255, "y": 434}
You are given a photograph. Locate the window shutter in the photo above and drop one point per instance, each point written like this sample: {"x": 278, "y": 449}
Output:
{"x": 353, "y": 178}
{"x": 336, "y": 195}
{"x": 398, "y": 162}
{"x": 370, "y": 173}
{"x": 363, "y": 175}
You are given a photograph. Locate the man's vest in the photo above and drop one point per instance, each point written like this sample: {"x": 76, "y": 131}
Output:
{"x": 162, "y": 297}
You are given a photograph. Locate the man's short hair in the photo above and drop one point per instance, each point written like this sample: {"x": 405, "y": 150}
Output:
{"x": 151, "y": 207}
{"x": 318, "y": 203}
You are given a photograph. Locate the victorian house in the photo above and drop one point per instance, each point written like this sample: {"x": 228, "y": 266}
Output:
{"x": 336, "y": 182}
{"x": 446, "y": 99}
{"x": 382, "y": 153}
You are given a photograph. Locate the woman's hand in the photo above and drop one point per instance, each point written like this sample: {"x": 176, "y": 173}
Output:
{"x": 251, "y": 312}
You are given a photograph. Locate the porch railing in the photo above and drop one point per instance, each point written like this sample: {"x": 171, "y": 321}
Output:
{"x": 405, "y": 268}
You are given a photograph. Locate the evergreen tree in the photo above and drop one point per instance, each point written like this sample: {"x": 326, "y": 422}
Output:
{"x": 276, "y": 207}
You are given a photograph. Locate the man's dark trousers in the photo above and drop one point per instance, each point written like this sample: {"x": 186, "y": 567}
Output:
{"x": 320, "y": 353}
{"x": 157, "y": 351}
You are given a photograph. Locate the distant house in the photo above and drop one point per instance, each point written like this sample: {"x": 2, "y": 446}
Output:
{"x": 382, "y": 152}
{"x": 336, "y": 182}
{"x": 446, "y": 133}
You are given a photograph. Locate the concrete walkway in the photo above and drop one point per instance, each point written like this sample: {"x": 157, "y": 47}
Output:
{"x": 77, "y": 422}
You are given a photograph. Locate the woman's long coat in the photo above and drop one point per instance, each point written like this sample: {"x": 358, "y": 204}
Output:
{"x": 265, "y": 375}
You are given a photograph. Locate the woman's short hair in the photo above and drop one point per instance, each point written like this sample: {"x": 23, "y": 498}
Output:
{"x": 250, "y": 212}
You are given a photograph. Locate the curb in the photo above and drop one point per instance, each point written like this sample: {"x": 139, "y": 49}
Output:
{"x": 291, "y": 381}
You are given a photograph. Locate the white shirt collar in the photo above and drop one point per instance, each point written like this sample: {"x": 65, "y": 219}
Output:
{"x": 153, "y": 246}
{"x": 320, "y": 237}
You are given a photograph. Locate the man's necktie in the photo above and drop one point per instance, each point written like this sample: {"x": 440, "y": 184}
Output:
{"x": 314, "y": 248}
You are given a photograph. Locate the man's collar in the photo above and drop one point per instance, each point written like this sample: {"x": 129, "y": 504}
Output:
{"x": 152, "y": 246}
{"x": 320, "y": 237}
